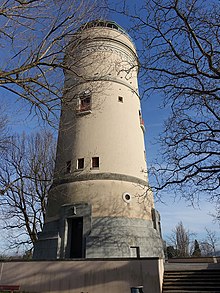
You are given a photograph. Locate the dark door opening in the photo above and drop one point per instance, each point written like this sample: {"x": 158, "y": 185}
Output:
{"x": 76, "y": 237}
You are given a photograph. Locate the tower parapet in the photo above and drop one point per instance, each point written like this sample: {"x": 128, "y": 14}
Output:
{"x": 100, "y": 204}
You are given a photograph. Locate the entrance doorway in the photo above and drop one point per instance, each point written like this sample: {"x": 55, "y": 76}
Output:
{"x": 75, "y": 237}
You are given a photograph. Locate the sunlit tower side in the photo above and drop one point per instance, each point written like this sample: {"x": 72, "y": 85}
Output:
{"x": 100, "y": 204}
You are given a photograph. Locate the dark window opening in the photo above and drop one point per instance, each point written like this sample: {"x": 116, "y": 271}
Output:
{"x": 138, "y": 289}
{"x": 68, "y": 166}
{"x": 80, "y": 163}
{"x": 141, "y": 120}
{"x": 100, "y": 24}
{"x": 112, "y": 25}
{"x": 97, "y": 23}
{"x": 85, "y": 101}
{"x": 127, "y": 196}
{"x": 85, "y": 104}
{"x": 95, "y": 162}
{"x": 120, "y": 99}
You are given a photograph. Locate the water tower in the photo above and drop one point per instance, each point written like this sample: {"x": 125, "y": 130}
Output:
{"x": 100, "y": 204}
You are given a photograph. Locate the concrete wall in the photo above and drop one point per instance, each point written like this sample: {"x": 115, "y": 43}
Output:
{"x": 87, "y": 276}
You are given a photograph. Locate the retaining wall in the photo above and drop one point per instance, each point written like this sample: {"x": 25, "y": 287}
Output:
{"x": 84, "y": 276}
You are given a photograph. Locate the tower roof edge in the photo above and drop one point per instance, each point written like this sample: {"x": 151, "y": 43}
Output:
{"x": 106, "y": 24}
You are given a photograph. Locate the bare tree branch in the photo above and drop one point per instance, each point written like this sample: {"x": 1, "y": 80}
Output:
{"x": 34, "y": 36}
{"x": 26, "y": 172}
{"x": 180, "y": 61}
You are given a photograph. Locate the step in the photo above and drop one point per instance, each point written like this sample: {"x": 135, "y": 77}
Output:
{"x": 192, "y": 276}
{"x": 199, "y": 282}
{"x": 190, "y": 266}
{"x": 192, "y": 288}
{"x": 192, "y": 281}
{"x": 217, "y": 271}
{"x": 183, "y": 275}
{"x": 189, "y": 291}
{"x": 191, "y": 284}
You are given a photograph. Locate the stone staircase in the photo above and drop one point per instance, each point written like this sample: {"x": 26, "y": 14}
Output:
{"x": 191, "y": 278}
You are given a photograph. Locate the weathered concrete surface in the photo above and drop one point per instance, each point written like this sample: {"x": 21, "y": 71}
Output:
{"x": 85, "y": 276}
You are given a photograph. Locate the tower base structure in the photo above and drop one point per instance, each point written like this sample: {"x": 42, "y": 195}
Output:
{"x": 107, "y": 237}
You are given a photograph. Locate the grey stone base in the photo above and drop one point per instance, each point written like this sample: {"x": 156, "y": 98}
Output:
{"x": 108, "y": 238}
{"x": 47, "y": 245}
{"x": 121, "y": 237}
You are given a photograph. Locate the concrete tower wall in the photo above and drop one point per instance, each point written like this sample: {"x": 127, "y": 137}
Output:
{"x": 100, "y": 171}
{"x": 107, "y": 67}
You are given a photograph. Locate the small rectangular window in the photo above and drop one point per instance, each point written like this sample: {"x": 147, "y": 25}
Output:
{"x": 84, "y": 102}
{"x": 95, "y": 162}
{"x": 80, "y": 163}
{"x": 120, "y": 99}
{"x": 68, "y": 166}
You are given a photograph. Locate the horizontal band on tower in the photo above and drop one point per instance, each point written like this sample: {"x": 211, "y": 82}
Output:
{"x": 108, "y": 79}
{"x": 98, "y": 176}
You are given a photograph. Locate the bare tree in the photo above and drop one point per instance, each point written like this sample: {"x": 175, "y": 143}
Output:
{"x": 34, "y": 35}
{"x": 180, "y": 61}
{"x": 180, "y": 240}
{"x": 208, "y": 245}
{"x": 26, "y": 172}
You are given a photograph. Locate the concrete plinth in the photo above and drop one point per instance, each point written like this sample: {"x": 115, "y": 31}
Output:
{"x": 85, "y": 276}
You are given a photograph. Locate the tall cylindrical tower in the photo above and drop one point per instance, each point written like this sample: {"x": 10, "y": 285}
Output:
{"x": 100, "y": 204}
